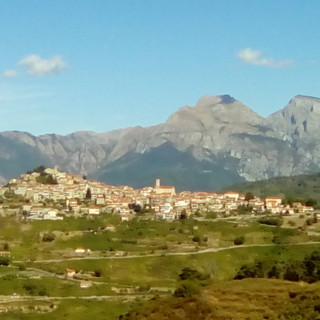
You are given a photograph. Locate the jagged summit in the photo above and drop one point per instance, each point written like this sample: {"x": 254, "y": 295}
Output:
{"x": 213, "y": 110}
{"x": 227, "y": 99}
{"x": 209, "y": 101}
{"x": 299, "y": 96}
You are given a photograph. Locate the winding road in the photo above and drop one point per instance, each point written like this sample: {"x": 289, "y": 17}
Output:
{"x": 209, "y": 250}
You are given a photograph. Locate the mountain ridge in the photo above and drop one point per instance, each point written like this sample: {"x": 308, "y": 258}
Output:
{"x": 220, "y": 131}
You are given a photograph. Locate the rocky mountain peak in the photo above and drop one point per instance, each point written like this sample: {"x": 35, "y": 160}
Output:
{"x": 301, "y": 98}
{"x": 299, "y": 118}
{"x": 209, "y": 101}
{"x": 211, "y": 110}
{"x": 219, "y": 140}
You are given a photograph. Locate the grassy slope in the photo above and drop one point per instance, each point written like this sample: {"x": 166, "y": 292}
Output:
{"x": 25, "y": 242}
{"x": 249, "y": 299}
{"x": 70, "y": 310}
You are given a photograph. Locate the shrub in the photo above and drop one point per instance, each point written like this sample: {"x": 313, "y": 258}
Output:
{"x": 43, "y": 292}
{"x": 251, "y": 271}
{"x": 48, "y": 237}
{"x": 98, "y": 273}
{"x": 46, "y": 179}
{"x": 211, "y": 215}
{"x": 192, "y": 274}
{"x": 270, "y": 221}
{"x": 30, "y": 287}
{"x": 196, "y": 239}
{"x": 291, "y": 223}
{"x": 4, "y": 260}
{"x": 238, "y": 241}
{"x": 187, "y": 289}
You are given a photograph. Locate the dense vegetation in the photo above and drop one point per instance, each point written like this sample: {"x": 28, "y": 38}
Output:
{"x": 250, "y": 299}
{"x": 307, "y": 270}
{"x": 44, "y": 178}
{"x": 304, "y": 188}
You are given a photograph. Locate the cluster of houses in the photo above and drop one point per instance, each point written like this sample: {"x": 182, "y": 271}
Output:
{"x": 81, "y": 196}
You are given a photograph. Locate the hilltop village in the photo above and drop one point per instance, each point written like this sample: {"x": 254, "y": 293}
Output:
{"x": 66, "y": 240}
{"x": 48, "y": 193}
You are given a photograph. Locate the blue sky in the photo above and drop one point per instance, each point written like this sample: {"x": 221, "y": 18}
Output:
{"x": 69, "y": 65}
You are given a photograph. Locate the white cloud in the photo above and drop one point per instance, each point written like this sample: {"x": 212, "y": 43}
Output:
{"x": 37, "y": 66}
{"x": 9, "y": 73}
{"x": 255, "y": 57}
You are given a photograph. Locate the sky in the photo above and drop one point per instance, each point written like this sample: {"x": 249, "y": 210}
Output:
{"x": 100, "y": 65}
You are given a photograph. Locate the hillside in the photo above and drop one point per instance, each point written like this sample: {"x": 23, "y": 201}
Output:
{"x": 296, "y": 187}
{"x": 237, "y": 300}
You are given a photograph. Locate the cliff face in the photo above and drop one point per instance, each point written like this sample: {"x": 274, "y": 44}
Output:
{"x": 218, "y": 142}
{"x": 298, "y": 122}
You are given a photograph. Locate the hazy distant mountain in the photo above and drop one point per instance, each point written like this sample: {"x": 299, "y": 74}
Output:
{"x": 216, "y": 143}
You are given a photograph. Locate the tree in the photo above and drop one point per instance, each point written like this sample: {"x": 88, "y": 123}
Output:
{"x": 311, "y": 266}
{"x": 187, "y": 289}
{"x": 249, "y": 196}
{"x": 136, "y": 207}
{"x": 88, "y": 194}
{"x": 292, "y": 273}
{"x": 274, "y": 273}
{"x": 39, "y": 169}
{"x": 311, "y": 202}
{"x": 183, "y": 214}
{"x": 45, "y": 178}
{"x": 242, "y": 209}
{"x": 253, "y": 271}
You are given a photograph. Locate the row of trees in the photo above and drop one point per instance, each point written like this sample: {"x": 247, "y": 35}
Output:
{"x": 307, "y": 270}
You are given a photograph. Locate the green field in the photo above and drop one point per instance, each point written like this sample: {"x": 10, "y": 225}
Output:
{"x": 152, "y": 255}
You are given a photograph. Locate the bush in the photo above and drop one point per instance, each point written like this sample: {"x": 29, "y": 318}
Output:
{"x": 238, "y": 241}
{"x": 48, "y": 237}
{"x": 291, "y": 223}
{"x": 187, "y": 289}
{"x": 244, "y": 209}
{"x": 211, "y": 215}
{"x": 270, "y": 221}
{"x": 30, "y": 287}
{"x": 310, "y": 221}
{"x": 46, "y": 179}
{"x": 255, "y": 270}
{"x": 21, "y": 267}
{"x": 196, "y": 239}
{"x": 43, "y": 292}
{"x": 192, "y": 274}
{"x": 98, "y": 273}
{"x": 4, "y": 260}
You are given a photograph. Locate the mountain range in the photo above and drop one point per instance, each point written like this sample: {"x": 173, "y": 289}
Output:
{"x": 216, "y": 143}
